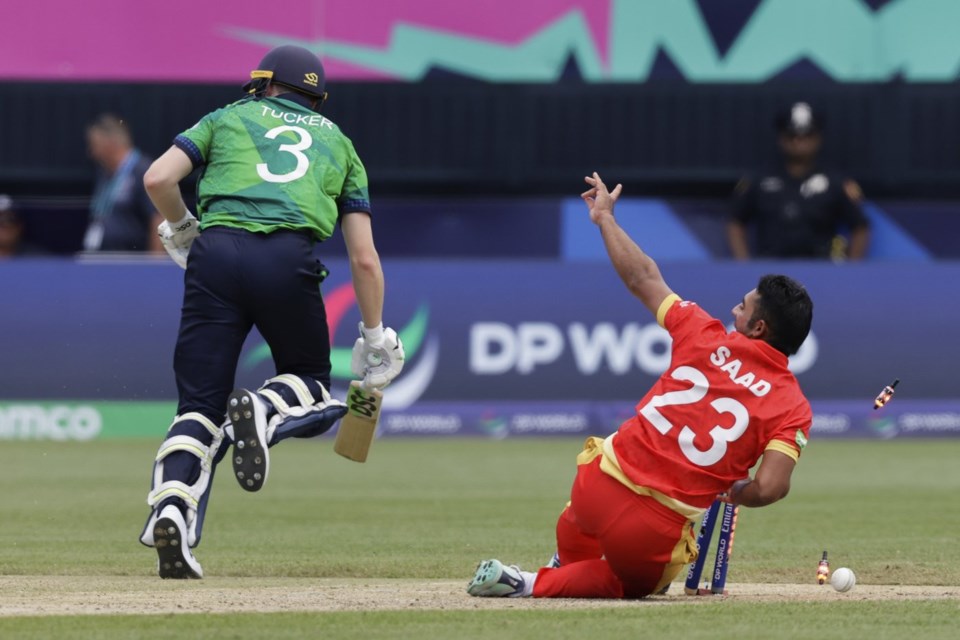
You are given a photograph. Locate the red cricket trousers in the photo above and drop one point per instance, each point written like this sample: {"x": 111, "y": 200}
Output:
{"x": 614, "y": 543}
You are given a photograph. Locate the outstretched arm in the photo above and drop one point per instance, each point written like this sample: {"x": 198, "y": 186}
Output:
{"x": 637, "y": 270}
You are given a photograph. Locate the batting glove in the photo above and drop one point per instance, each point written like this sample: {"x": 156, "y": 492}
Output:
{"x": 177, "y": 237}
{"x": 377, "y": 356}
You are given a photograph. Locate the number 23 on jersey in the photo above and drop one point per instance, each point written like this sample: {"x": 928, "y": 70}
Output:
{"x": 721, "y": 436}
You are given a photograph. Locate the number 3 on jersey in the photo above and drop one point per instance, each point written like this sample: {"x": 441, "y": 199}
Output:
{"x": 721, "y": 436}
{"x": 303, "y": 162}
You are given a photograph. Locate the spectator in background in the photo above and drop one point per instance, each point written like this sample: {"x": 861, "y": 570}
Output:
{"x": 799, "y": 209}
{"x": 11, "y": 232}
{"x": 122, "y": 218}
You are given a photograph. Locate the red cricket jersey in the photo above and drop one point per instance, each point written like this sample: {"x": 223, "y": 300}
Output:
{"x": 724, "y": 400}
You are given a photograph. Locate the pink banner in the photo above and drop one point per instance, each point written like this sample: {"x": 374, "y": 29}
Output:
{"x": 221, "y": 41}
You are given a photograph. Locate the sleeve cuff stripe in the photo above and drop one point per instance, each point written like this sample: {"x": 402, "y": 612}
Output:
{"x": 349, "y": 206}
{"x": 784, "y": 448}
{"x": 665, "y": 306}
{"x": 188, "y": 147}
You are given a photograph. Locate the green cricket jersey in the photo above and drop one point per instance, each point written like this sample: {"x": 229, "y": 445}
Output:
{"x": 272, "y": 164}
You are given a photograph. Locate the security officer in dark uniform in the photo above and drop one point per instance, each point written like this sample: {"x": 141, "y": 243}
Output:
{"x": 798, "y": 210}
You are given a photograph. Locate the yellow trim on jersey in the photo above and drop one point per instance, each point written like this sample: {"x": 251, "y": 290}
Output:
{"x": 665, "y": 306}
{"x": 784, "y": 448}
{"x": 595, "y": 446}
{"x": 592, "y": 448}
{"x": 683, "y": 554}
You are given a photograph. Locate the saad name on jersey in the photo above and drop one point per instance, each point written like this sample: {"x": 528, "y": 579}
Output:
{"x": 297, "y": 118}
{"x": 758, "y": 387}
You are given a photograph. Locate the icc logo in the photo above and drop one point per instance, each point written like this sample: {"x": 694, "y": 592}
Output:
{"x": 311, "y": 79}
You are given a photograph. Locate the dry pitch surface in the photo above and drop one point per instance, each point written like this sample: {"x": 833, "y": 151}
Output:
{"x": 78, "y": 595}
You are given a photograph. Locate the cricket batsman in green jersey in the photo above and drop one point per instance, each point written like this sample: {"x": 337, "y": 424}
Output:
{"x": 277, "y": 177}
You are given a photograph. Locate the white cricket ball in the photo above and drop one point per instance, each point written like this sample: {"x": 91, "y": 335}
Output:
{"x": 843, "y": 579}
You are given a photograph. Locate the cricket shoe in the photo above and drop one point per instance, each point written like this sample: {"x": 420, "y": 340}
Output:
{"x": 251, "y": 457}
{"x": 174, "y": 558}
{"x": 554, "y": 562}
{"x": 494, "y": 579}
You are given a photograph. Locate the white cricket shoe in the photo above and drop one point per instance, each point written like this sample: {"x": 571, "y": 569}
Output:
{"x": 250, "y": 456}
{"x": 174, "y": 558}
{"x": 494, "y": 579}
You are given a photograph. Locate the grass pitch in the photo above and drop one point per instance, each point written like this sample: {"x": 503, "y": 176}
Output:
{"x": 430, "y": 509}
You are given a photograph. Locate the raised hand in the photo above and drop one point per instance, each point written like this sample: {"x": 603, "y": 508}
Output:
{"x": 598, "y": 198}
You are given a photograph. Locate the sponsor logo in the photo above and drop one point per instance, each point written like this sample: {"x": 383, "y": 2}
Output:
{"x": 883, "y": 427}
{"x": 493, "y": 425}
{"x": 497, "y": 348}
{"x": 422, "y": 424}
{"x": 930, "y": 422}
{"x": 830, "y": 423}
{"x": 801, "y": 439}
{"x": 359, "y": 402}
{"x": 49, "y": 422}
{"x": 311, "y": 79}
{"x": 540, "y": 423}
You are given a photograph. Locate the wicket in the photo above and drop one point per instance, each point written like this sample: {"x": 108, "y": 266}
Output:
{"x": 728, "y": 526}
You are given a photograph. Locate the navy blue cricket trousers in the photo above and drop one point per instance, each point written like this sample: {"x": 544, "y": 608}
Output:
{"x": 236, "y": 280}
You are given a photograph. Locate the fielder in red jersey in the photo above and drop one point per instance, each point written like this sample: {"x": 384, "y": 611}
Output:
{"x": 726, "y": 401}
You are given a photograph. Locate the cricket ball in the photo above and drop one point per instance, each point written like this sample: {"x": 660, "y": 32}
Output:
{"x": 843, "y": 579}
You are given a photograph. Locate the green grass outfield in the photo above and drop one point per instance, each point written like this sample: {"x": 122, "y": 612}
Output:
{"x": 430, "y": 509}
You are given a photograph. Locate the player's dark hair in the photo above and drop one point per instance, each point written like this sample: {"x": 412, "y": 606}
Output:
{"x": 786, "y": 308}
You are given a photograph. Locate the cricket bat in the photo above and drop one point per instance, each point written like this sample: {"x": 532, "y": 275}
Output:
{"x": 359, "y": 426}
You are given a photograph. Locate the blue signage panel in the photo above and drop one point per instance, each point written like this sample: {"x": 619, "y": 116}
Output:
{"x": 484, "y": 331}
